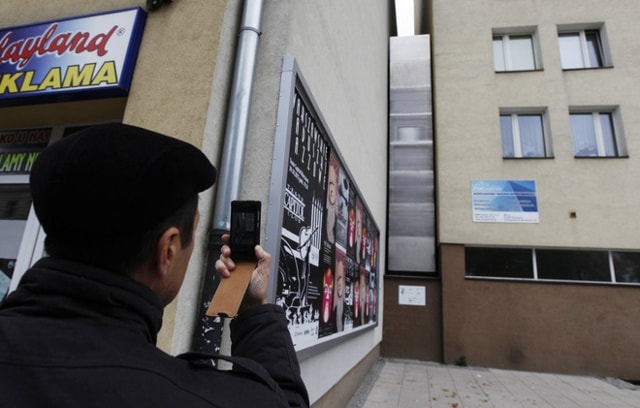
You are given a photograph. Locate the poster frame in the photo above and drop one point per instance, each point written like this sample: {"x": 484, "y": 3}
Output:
{"x": 292, "y": 80}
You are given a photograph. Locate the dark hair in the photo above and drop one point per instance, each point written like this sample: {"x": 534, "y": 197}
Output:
{"x": 123, "y": 254}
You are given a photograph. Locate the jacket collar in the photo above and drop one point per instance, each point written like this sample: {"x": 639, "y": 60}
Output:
{"x": 66, "y": 289}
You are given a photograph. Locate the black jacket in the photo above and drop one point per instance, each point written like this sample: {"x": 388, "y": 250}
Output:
{"x": 76, "y": 336}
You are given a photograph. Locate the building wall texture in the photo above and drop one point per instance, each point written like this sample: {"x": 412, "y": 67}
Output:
{"x": 533, "y": 325}
{"x": 468, "y": 95}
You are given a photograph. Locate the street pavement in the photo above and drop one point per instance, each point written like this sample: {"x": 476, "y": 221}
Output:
{"x": 409, "y": 383}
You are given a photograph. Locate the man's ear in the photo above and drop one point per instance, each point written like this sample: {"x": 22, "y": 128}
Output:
{"x": 167, "y": 247}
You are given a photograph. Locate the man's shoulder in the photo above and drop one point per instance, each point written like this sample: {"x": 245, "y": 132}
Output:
{"x": 128, "y": 371}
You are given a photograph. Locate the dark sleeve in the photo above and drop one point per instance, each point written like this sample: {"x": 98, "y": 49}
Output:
{"x": 261, "y": 334}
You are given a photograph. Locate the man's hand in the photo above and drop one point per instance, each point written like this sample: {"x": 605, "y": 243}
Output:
{"x": 257, "y": 291}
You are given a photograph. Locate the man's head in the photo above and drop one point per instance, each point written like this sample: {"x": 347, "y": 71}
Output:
{"x": 106, "y": 194}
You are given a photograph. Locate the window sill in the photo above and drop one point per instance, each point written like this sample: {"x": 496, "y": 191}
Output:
{"x": 587, "y": 68}
{"x": 553, "y": 281}
{"x": 601, "y": 157}
{"x": 411, "y": 275}
{"x": 515, "y": 71}
{"x": 529, "y": 158}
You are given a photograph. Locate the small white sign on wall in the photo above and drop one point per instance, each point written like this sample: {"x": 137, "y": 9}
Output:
{"x": 412, "y": 295}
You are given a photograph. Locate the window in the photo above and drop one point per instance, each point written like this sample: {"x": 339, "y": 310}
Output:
{"x": 594, "y": 135}
{"x": 411, "y": 236}
{"x": 573, "y": 265}
{"x": 499, "y": 262}
{"x": 411, "y": 195}
{"x": 582, "y": 48}
{"x": 553, "y": 264}
{"x": 15, "y": 202}
{"x": 523, "y": 135}
{"x": 627, "y": 266}
{"x": 515, "y": 50}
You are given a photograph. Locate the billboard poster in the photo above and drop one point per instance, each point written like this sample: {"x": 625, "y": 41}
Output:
{"x": 75, "y": 58}
{"x": 301, "y": 281}
{"x": 504, "y": 201}
{"x": 327, "y": 281}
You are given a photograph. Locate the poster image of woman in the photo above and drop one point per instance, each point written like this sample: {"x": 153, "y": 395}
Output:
{"x": 358, "y": 231}
{"x": 331, "y": 207}
{"x": 339, "y": 291}
{"x": 342, "y": 215}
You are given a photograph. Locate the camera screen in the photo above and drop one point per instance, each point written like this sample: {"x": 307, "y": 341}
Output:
{"x": 243, "y": 226}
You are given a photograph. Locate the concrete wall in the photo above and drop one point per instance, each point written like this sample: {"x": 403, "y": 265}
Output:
{"x": 560, "y": 328}
{"x": 413, "y": 332}
{"x": 468, "y": 95}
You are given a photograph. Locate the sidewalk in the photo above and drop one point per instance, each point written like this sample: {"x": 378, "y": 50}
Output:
{"x": 409, "y": 383}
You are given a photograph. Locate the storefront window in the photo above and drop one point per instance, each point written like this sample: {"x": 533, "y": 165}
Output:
{"x": 15, "y": 202}
{"x": 18, "y": 151}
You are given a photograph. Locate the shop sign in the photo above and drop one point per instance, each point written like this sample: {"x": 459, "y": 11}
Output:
{"x": 504, "y": 201}
{"x": 76, "y": 58}
{"x": 20, "y": 148}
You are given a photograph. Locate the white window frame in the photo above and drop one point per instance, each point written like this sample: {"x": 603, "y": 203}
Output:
{"x": 505, "y": 35}
{"x": 581, "y": 30}
{"x": 515, "y": 113}
{"x": 618, "y": 136}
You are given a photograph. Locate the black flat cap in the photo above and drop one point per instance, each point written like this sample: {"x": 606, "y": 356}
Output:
{"x": 109, "y": 180}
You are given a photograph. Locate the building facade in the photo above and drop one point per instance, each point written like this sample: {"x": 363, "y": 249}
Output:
{"x": 536, "y": 120}
{"x": 182, "y": 83}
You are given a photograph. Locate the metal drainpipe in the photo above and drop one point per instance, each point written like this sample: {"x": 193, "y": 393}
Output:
{"x": 207, "y": 336}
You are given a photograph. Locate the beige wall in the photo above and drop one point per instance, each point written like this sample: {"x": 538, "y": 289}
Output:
{"x": 468, "y": 95}
{"x": 561, "y": 328}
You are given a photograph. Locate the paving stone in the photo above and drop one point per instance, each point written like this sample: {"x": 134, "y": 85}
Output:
{"x": 417, "y": 384}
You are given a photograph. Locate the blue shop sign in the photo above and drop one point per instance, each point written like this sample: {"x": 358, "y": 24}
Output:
{"x": 83, "y": 57}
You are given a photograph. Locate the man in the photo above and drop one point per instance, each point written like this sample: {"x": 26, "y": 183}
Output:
{"x": 119, "y": 206}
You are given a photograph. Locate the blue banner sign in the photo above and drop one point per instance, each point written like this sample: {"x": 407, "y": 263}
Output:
{"x": 506, "y": 201}
{"x": 75, "y": 58}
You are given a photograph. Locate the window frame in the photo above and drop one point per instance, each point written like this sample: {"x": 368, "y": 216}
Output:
{"x": 515, "y": 114}
{"x": 616, "y": 276}
{"x": 582, "y": 30}
{"x": 618, "y": 138}
{"x": 505, "y": 36}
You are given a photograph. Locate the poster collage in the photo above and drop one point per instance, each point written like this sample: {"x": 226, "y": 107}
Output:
{"x": 328, "y": 261}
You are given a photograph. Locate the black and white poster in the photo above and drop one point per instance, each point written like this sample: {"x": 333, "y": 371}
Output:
{"x": 327, "y": 262}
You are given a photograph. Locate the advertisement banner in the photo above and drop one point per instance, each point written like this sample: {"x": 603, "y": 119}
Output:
{"x": 328, "y": 250}
{"x": 75, "y": 58}
{"x": 504, "y": 201}
{"x": 20, "y": 148}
